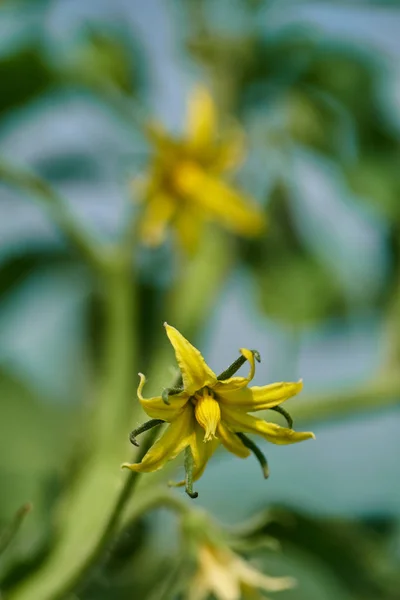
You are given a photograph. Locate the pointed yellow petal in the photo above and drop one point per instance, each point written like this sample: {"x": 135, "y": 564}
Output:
{"x": 260, "y": 398}
{"x": 231, "y": 441}
{"x": 201, "y": 452}
{"x": 156, "y": 218}
{"x": 271, "y": 584}
{"x": 201, "y": 118}
{"x": 236, "y": 383}
{"x": 240, "y": 421}
{"x": 207, "y": 414}
{"x": 156, "y": 407}
{"x": 169, "y": 445}
{"x": 253, "y": 578}
{"x": 196, "y": 373}
{"x": 216, "y": 570}
{"x": 219, "y": 201}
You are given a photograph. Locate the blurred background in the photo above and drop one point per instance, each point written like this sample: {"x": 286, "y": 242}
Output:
{"x": 316, "y": 88}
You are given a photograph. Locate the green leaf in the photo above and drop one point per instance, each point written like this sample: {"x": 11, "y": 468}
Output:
{"x": 343, "y": 553}
{"x": 292, "y": 285}
{"x": 25, "y": 75}
{"x": 375, "y": 178}
{"x": 108, "y": 57}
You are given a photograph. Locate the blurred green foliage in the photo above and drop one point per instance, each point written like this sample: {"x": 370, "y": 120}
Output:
{"x": 303, "y": 90}
{"x": 293, "y": 88}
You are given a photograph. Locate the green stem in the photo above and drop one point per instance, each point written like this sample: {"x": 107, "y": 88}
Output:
{"x": 77, "y": 235}
{"x": 284, "y": 414}
{"x": 11, "y": 530}
{"x": 235, "y": 366}
{"x": 89, "y": 511}
{"x": 144, "y": 501}
{"x": 153, "y": 498}
{"x": 114, "y": 520}
{"x": 189, "y": 466}
{"x": 257, "y": 453}
{"x": 380, "y": 393}
{"x": 142, "y": 428}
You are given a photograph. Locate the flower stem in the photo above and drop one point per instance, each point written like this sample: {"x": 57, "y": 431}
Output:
{"x": 89, "y": 510}
{"x": 380, "y": 393}
{"x": 8, "y": 534}
{"x": 74, "y": 231}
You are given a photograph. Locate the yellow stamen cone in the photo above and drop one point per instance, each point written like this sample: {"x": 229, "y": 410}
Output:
{"x": 208, "y": 414}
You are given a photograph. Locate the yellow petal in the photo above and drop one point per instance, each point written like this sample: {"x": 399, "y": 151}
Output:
{"x": 201, "y": 118}
{"x": 207, "y": 414}
{"x": 169, "y": 445}
{"x": 156, "y": 407}
{"x": 236, "y": 383}
{"x": 156, "y": 218}
{"x": 252, "y": 578}
{"x": 240, "y": 421}
{"x": 188, "y": 224}
{"x": 217, "y": 572}
{"x": 196, "y": 373}
{"x": 201, "y": 453}
{"x": 260, "y": 398}
{"x": 198, "y": 588}
{"x": 231, "y": 441}
{"x": 218, "y": 200}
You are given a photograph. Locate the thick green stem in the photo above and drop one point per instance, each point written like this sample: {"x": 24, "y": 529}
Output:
{"x": 87, "y": 515}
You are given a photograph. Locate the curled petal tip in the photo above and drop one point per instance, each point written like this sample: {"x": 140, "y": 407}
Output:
{"x": 125, "y": 466}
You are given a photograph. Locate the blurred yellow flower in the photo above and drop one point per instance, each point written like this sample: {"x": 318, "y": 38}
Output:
{"x": 224, "y": 574}
{"x": 207, "y": 409}
{"x": 185, "y": 186}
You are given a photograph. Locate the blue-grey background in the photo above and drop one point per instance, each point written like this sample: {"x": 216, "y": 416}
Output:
{"x": 351, "y": 470}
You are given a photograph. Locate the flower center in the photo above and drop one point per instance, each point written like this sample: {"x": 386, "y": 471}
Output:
{"x": 207, "y": 413}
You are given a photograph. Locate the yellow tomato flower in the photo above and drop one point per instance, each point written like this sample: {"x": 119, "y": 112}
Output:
{"x": 185, "y": 186}
{"x": 224, "y": 574}
{"x": 207, "y": 410}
